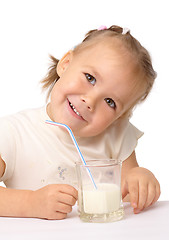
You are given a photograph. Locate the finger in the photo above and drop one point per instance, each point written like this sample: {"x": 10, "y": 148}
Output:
{"x": 143, "y": 193}
{"x": 157, "y": 195}
{"x": 68, "y": 189}
{"x": 63, "y": 208}
{"x": 66, "y": 199}
{"x": 57, "y": 216}
{"x": 60, "y": 216}
{"x": 134, "y": 194}
{"x": 150, "y": 195}
{"x": 124, "y": 191}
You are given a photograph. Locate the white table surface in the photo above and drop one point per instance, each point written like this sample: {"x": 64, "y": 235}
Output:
{"x": 152, "y": 223}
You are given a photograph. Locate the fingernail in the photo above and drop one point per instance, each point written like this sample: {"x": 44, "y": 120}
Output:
{"x": 136, "y": 210}
{"x": 134, "y": 205}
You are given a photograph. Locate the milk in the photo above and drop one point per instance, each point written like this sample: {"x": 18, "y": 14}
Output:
{"x": 105, "y": 199}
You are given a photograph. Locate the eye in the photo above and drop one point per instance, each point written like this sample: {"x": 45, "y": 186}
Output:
{"x": 90, "y": 78}
{"x": 110, "y": 102}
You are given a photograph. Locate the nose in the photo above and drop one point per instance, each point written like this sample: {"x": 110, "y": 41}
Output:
{"x": 89, "y": 102}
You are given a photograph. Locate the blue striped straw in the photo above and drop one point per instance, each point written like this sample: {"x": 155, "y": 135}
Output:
{"x": 76, "y": 145}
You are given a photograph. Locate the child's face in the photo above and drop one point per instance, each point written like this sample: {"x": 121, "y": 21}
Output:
{"x": 95, "y": 88}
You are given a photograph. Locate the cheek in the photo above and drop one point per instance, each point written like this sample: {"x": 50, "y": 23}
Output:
{"x": 104, "y": 120}
{"x": 69, "y": 83}
{"x": 55, "y": 91}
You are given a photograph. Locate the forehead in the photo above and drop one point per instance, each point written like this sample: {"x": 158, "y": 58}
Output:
{"x": 104, "y": 42}
{"x": 103, "y": 49}
{"x": 110, "y": 58}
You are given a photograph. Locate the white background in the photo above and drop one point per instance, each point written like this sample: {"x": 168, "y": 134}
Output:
{"x": 31, "y": 30}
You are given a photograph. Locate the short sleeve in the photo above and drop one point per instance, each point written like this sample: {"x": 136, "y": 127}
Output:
{"x": 124, "y": 139}
{"x": 130, "y": 141}
{"x": 7, "y": 147}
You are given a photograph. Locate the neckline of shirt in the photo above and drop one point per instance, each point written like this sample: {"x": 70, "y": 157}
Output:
{"x": 61, "y": 133}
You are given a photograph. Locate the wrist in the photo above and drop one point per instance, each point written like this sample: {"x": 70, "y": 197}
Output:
{"x": 28, "y": 207}
{"x": 15, "y": 202}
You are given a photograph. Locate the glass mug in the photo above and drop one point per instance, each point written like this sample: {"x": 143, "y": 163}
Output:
{"x": 99, "y": 191}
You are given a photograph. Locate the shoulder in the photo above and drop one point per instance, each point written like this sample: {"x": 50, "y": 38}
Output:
{"x": 24, "y": 122}
{"x": 121, "y": 137}
{"x": 24, "y": 116}
{"x": 121, "y": 128}
{"x": 29, "y": 114}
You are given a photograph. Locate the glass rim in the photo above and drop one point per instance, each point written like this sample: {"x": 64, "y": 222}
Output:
{"x": 99, "y": 163}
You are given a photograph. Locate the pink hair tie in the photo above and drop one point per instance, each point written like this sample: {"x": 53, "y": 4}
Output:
{"x": 125, "y": 31}
{"x": 102, "y": 28}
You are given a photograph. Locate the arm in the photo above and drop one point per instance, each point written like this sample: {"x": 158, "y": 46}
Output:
{"x": 2, "y": 167}
{"x": 50, "y": 202}
{"x": 12, "y": 202}
{"x": 141, "y": 185}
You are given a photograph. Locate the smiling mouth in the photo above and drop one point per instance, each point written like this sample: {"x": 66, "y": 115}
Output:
{"x": 74, "y": 109}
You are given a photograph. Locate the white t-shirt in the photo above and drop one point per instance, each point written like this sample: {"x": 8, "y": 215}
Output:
{"x": 37, "y": 154}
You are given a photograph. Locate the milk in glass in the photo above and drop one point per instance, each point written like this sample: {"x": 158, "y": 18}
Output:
{"x": 104, "y": 199}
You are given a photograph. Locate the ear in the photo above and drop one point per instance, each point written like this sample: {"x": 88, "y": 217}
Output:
{"x": 64, "y": 63}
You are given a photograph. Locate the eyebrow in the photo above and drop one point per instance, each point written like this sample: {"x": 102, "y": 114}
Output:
{"x": 95, "y": 73}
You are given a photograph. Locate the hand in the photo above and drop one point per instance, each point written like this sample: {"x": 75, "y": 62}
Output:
{"x": 143, "y": 188}
{"x": 53, "y": 201}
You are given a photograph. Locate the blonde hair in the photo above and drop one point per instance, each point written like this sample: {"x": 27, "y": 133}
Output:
{"x": 139, "y": 53}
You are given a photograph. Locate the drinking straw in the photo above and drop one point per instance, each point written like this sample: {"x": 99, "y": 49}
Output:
{"x": 76, "y": 145}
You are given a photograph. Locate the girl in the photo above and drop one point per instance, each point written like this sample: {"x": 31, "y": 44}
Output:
{"x": 93, "y": 90}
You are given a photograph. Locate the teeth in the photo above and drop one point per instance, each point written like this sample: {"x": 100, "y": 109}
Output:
{"x": 74, "y": 109}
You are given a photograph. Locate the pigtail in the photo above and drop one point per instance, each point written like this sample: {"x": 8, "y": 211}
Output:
{"x": 52, "y": 76}
{"x": 116, "y": 29}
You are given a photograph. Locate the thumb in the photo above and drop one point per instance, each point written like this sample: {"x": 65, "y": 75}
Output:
{"x": 124, "y": 190}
